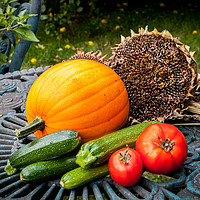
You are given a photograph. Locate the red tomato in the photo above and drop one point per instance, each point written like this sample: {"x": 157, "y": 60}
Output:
{"x": 125, "y": 166}
{"x": 163, "y": 148}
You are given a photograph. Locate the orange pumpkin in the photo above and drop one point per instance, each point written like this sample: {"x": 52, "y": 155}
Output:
{"x": 83, "y": 95}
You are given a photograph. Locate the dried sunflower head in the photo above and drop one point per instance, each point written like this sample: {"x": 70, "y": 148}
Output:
{"x": 158, "y": 71}
{"x": 97, "y": 56}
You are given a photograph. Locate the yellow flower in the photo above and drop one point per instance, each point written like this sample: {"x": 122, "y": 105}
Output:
{"x": 103, "y": 21}
{"x": 41, "y": 46}
{"x": 63, "y": 29}
{"x": 194, "y": 32}
{"x": 125, "y": 4}
{"x": 162, "y": 5}
{"x": 175, "y": 11}
{"x": 67, "y": 46}
{"x": 136, "y": 12}
{"x": 90, "y": 43}
{"x": 90, "y": 3}
{"x": 51, "y": 15}
{"x": 33, "y": 60}
{"x": 117, "y": 27}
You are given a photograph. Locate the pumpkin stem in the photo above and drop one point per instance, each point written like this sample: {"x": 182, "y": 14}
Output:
{"x": 35, "y": 125}
{"x": 167, "y": 145}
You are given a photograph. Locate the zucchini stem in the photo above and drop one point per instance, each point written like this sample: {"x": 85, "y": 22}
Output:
{"x": 85, "y": 158}
{"x": 35, "y": 125}
{"x": 10, "y": 169}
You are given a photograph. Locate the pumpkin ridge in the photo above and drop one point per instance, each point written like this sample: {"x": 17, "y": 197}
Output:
{"x": 112, "y": 119}
{"x": 38, "y": 85}
{"x": 51, "y": 124}
{"x": 64, "y": 80}
{"x": 111, "y": 84}
{"x": 85, "y": 58}
{"x": 50, "y": 73}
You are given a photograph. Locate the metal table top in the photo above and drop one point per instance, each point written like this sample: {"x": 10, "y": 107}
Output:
{"x": 14, "y": 88}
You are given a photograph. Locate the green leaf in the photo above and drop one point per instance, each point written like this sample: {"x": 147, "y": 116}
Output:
{"x": 26, "y": 34}
{"x": 13, "y": 10}
{"x": 4, "y": 23}
{"x": 8, "y": 8}
{"x": 27, "y": 16}
{"x": 11, "y": 1}
{"x": 26, "y": 25}
{"x": 78, "y": 2}
{"x": 5, "y": 1}
{"x": 14, "y": 18}
{"x": 31, "y": 15}
{"x": 10, "y": 21}
{"x": 79, "y": 9}
{"x": 22, "y": 13}
{"x": 3, "y": 58}
{"x": 71, "y": 1}
{"x": 44, "y": 17}
{"x": 43, "y": 8}
{"x": 1, "y": 11}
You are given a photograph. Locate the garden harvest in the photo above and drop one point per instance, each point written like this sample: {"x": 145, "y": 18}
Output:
{"x": 79, "y": 111}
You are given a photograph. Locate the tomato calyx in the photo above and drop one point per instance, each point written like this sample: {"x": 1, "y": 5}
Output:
{"x": 126, "y": 157}
{"x": 166, "y": 144}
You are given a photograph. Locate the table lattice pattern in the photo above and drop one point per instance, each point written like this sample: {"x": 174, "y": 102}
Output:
{"x": 14, "y": 88}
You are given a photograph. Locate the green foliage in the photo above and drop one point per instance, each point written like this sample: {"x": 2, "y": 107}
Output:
{"x": 104, "y": 29}
{"x": 58, "y": 14}
{"x": 25, "y": 33}
{"x": 3, "y": 58}
{"x": 17, "y": 24}
{"x": 8, "y": 21}
{"x": 159, "y": 178}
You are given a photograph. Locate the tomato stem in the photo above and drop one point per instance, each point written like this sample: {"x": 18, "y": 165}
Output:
{"x": 126, "y": 157}
{"x": 166, "y": 144}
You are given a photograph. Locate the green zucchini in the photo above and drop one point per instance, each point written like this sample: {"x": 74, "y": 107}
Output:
{"x": 80, "y": 176}
{"x": 97, "y": 151}
{"x": 45, "y": 170}
{"x": 49, "y": 146}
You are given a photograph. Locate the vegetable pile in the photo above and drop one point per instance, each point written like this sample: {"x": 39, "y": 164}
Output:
{"x": 159, "y": 148}
{"x": 50, "y": 146}
{"x": 79, "y": 112}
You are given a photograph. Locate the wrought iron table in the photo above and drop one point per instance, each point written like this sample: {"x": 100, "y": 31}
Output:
{"x": 14, "y": 88}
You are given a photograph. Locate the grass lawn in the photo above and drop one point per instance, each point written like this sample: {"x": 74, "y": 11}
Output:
{"x": 102, "y": 32}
